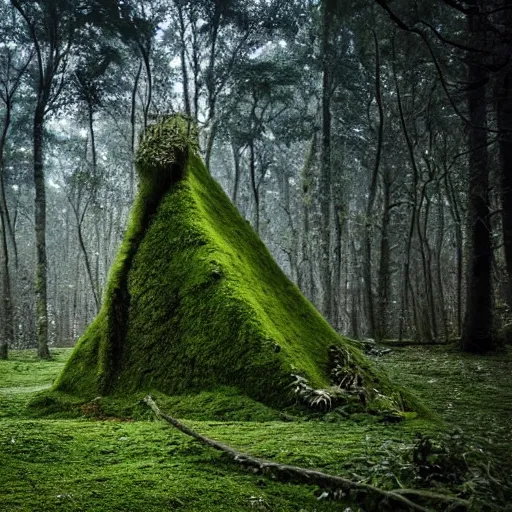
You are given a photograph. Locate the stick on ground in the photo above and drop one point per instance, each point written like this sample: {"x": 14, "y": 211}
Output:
{"x": 287, "y": 473}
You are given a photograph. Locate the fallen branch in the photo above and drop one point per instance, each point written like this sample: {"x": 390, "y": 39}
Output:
{"x": 287, "y": 472}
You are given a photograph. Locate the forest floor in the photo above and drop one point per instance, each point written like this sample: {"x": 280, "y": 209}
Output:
{"x": 87, "y": 464}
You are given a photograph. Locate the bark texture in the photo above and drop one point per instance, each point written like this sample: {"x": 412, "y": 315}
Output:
{"x": 477, "y": 333}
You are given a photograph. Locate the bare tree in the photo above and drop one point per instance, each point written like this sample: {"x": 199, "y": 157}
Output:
{"x": 52, "y": 27}
{"x": 14, "y": 63}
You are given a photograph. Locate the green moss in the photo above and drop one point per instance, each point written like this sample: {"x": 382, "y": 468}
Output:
{"x": 24, "y": 369}
{"x": 222, "y": 404}
{"x": 75, "y": 464}
{"x": 195, "y": 301}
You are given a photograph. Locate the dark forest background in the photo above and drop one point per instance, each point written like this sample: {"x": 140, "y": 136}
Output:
{"x": 369, "y": 143}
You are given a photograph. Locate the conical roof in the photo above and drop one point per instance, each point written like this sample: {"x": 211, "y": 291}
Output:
{"x": 195, "y": 300}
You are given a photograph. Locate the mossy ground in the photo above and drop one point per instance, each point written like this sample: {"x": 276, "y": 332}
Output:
{"x": 86, "y": 464}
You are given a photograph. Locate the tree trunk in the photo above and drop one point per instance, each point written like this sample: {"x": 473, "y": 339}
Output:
{"x": 428, "y": 316}
{"x": 94, "y": 163}
{"x": 477, "y": 334}
{"x": 372, "y": 192}
{"x": 305, "y": 279}
{"x": 339, "y": 222}
{"x": 196, "y": 68}
{"x": 7, "y": 303}
{"x": 79, "y": 220}
{"x": 324, "y": 189}
{"x": 254, "y": 187}
{"x": 4, "y": 340}
{"x": 503, "y": 105}
{"x": 7, "y": 317}
{"x": 355, "y": 294}
{"x": 236, "y": 163}
{"x": 383, "y": 283}
{"x": 40, "y": 226}
{"x": 209, "y": 144}
{"x": 407, "y": 288}
{"x": 4, "y": 210}
{"x": 133, "y": 123}
{"x": 184, "y": 71}
{"x": 439, "y": 267}
{"x": 149, "y": 85}
{"x": 455, "y": 213}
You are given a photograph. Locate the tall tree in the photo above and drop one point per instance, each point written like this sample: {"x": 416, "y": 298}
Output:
{"x": 137, "y": 26}
{"x": 328, "y": 9}
{"x": 14, "y": 61}
{"x": 372, "y": 192}
{"x": 477, "y": 335}
{"x": 52, "y": 27}
{"x": 503, "y": 105}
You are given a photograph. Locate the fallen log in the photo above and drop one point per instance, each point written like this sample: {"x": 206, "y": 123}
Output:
{"x": 333, "y": 484}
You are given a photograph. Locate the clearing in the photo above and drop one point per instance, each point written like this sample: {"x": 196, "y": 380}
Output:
{"x": 90, "y": 464}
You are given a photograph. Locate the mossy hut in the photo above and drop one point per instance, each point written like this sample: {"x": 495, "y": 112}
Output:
{"x": 195, "y": 301}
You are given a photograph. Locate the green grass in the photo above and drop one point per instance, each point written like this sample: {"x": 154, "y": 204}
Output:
{"x": 24, "y": 370}
{"x": 84, "y": 464}
{"x": 23, "y": 376}
{"x": 471, "y": 392}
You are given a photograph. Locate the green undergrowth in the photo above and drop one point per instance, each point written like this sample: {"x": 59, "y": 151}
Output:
{"x": 24, "y": 369}
{"x": 24, "y": 375}
{"x": 468, "y": 391}
{"x": 223, "y": 404}
{"x": 195, "y": 301}
{"x": 98, "y": 462}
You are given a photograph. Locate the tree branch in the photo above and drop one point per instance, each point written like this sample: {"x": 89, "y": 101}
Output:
{"x": 310, "y": 476}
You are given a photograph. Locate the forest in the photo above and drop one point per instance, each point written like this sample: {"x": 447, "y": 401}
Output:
{"x": 280, "y": 227}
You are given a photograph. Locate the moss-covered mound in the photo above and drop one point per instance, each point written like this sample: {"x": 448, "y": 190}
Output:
{"x": 195, "y": 302}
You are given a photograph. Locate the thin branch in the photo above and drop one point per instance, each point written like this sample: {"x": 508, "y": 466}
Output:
{"x": 403, "y": 26}
{"x": 304, "y": 475}
{"x": 450, "y": 42}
